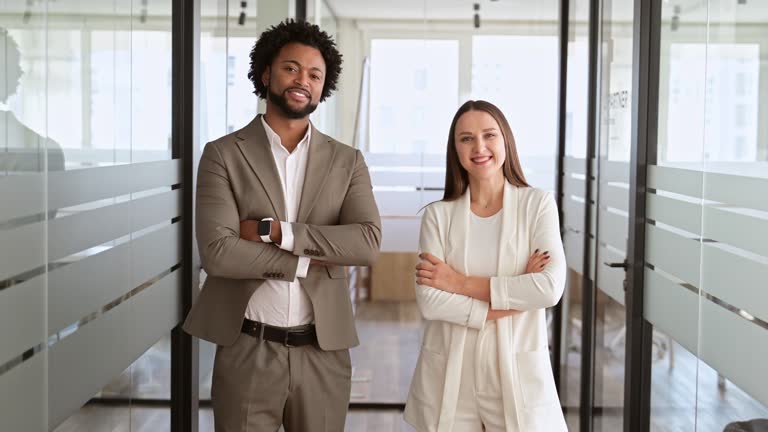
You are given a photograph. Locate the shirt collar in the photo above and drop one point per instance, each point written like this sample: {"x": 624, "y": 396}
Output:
{"x": 276, "y": 142}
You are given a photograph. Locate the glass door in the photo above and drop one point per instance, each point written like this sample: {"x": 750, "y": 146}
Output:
{"x": 614, "y": 139}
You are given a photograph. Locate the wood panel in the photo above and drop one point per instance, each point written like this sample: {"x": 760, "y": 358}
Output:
{"x": 393, "y": 277}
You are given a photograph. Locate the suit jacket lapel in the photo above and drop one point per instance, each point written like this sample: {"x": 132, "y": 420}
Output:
{"x": 318, "y": 167}
{"x": 254, "y": 145}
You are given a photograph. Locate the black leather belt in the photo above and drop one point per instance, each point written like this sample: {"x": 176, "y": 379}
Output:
{"x": 288, "y": 336}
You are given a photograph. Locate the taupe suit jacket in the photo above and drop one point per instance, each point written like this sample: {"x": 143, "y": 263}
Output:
{"x": 338, "y": 223}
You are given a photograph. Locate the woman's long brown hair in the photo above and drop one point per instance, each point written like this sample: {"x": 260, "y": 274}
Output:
{"x": 456, "y": 177}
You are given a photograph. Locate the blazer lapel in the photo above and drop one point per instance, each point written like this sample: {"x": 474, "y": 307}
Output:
{"x": 254, "y": 144}
{"x": 459, "y": 232}
{"x": 320, "y": 156}
{"x": 508, "y": 240}
{"x": 456, "y": 257}
{"x": 507, "y": 266}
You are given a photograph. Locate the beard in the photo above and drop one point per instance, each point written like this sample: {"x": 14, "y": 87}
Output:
{"x": 281, "y": 102}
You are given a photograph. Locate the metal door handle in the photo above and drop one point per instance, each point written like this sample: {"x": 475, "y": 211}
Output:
{"x": 624, "y": 264}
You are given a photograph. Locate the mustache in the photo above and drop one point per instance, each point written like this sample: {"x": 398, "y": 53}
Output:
{"x": 300, "y": 90}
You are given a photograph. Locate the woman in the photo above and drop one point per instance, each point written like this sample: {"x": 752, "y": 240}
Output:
{"x": 492, "y": 261}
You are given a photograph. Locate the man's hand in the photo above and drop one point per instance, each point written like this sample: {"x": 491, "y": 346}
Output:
{"x": 249, "y": 230}
{"x": 276, "y": 234}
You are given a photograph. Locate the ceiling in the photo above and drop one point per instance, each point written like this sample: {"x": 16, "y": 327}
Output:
{"x": 529, "y": 10}
{"x": 753, "y": 11}
{"x": 544, "y": 10}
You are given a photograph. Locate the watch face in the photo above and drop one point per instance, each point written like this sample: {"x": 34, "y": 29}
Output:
{"x": 264, "y": 227}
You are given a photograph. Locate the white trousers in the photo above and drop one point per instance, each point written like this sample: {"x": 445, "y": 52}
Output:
{"x": 480, "y": 406}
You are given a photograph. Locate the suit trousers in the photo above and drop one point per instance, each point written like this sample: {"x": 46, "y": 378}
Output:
{"x": 259, "y": 385}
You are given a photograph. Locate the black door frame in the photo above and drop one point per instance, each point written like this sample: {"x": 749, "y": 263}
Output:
{"x": 586, "y": 405}
{"x": 645, "y": 103}
{"x": 185, "y": 397}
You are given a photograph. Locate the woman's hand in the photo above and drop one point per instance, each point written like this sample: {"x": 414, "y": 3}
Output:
{"x": 434, "y": 273}
{"x": 537, "y": 262}
{"x": 499, "y": 314}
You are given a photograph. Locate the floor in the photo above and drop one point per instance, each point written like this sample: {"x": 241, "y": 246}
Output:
{"x": 686, "y": 394}
{"x": 383, "y": 363}
{"x": 99, "y": 418}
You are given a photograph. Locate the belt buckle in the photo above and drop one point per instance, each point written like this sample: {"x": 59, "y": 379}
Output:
{"x": 285, "y": 340}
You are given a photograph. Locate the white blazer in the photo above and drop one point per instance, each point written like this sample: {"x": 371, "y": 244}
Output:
{"x": 531, "y": 404}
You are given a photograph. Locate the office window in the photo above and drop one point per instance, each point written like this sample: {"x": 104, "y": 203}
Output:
{"x": 519, "y": 75}
{"x": 731, "y": 98}
{"x": 414, "y": 94}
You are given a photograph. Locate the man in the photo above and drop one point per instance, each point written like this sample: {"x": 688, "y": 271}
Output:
{"x": 22, "y": 150}
{"x": 280, "y": 208}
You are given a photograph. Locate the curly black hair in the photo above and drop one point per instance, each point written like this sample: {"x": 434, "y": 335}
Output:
{"x": 289, "y": 31}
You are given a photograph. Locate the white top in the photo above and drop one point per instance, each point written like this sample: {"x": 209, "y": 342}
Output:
{"x": 280, "y": 303}
{"x": 484, "y": 233}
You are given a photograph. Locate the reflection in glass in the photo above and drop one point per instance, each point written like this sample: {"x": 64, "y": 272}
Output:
{"x": 24, "y": 150}
{"x": 108, "y": 88}
{"x": 25, "y": 146}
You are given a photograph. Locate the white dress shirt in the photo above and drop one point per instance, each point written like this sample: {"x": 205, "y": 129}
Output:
{"x": 280, "y": 303}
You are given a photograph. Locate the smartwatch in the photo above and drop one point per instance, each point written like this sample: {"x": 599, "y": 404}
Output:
{"x": 265, "y": 229}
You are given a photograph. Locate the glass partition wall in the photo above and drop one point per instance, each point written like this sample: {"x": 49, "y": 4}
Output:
{"x": 680, "y": 158}
{"x": 662, "y": 156}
